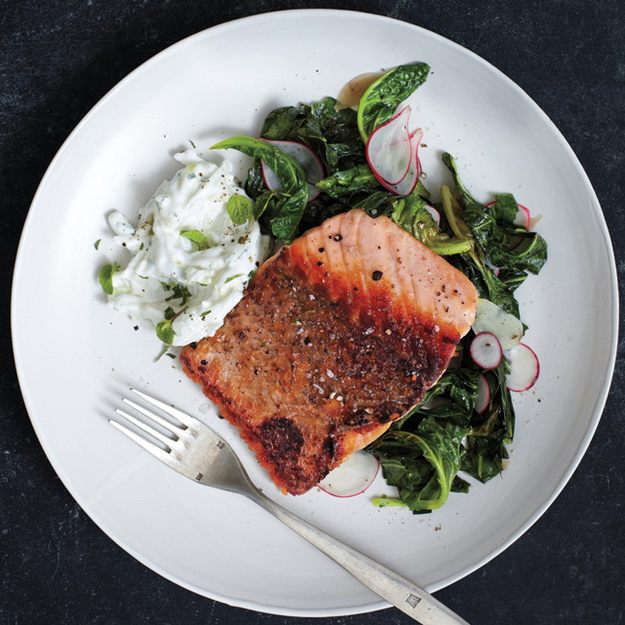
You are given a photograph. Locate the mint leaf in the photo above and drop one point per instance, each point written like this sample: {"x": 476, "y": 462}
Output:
{"x": 106, "y": 277}
{"x": 239, "y": 209}
{"x": 169, "y": 313}
{"x": 179, "y": 291}
{"x": 294, "y": 191}
{"x": 165, "y": 332}
{"x": 196, "y": 237}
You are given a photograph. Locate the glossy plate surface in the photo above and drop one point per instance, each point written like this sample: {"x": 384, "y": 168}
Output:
{"x": 75, "y": 357}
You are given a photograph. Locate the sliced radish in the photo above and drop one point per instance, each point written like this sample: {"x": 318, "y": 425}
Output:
{"x": 524, "y": 368}
{"x": 392, "y": 154}
{"x": 351, "y": 477}
{"x": 307, "y": 159}
{"x": 483, "y": 394}
{"x": 409, "y": 182}
{"x": 436, "y": 216}
{"x": 490, "y": 318}
{"x": 522, "y": 217}
{"x": 388, "y": 149}
{"x": 486, "y": 350}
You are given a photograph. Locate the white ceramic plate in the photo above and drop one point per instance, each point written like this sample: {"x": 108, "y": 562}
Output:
{"x": 75, "y": 357}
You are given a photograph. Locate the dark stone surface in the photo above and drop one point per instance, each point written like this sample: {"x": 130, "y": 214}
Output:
{"x": 57, "y": 59}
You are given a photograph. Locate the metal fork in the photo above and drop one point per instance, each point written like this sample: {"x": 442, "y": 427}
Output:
{"x": 193, "y": 449}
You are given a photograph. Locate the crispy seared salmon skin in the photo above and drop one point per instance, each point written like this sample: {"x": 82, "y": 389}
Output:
{"x": 339, "y": 334}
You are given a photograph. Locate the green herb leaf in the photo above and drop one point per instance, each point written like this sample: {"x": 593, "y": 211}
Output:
{"x": 426, "y": 466}
{"x": 106, "y": 277}
{"x": 358, "y": 178}
{"x": 261, "y": 203}
{"x": 410, "y": 213}
{"x": 379, "y": 102}
{"x": 165, "y": 332}
{"x": 97, "y": 244}
{"x": 161, "y": 353}
{"x": 196, "y": 237}
{"x": 294, "y": 192}
{"x": 179, "y": 291}
{"x": 492, "y": 230}
{"x": 332, "y": 134}
{"x": 165, "y": 329}
{"x": 240, "y": 209}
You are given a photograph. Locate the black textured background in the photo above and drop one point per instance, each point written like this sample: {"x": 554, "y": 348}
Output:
{"x": 57, "y": 59}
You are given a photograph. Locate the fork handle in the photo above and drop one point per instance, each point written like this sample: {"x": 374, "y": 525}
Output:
{"x": 410, "y": 599}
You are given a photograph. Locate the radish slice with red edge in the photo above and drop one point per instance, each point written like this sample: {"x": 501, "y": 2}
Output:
{"x": 485, "y": 350}
{"x": 407, "y": 185}
{"x": 307, "y": 159}
{"x": 505, "y": 326}
{"x": 389, "y": 151}
{"x": 524, "y": 368}
{"x": 482, "y": 397}
{"x": 351, "y": 477}
{"x": 522, "y": 217}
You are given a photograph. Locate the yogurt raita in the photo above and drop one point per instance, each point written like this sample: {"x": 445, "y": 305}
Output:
{"x": 189, "y": 262}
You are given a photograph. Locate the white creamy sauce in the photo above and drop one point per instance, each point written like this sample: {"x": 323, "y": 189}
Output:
{"x": 164, "y": 263}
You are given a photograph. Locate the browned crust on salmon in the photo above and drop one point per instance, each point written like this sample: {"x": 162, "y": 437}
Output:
{"x": 339, "y": 334}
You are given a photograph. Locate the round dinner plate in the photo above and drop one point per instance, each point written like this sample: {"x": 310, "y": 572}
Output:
{"x": 76, "y": 357}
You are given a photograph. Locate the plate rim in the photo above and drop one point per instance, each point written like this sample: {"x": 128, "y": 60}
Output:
{"x": 610, "y": 362}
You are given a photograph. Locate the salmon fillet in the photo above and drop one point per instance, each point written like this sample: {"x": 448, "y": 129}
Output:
{"x": 339, "y": 334}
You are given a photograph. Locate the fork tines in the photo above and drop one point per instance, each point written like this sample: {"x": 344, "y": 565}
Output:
{"x": 175, "y": 430}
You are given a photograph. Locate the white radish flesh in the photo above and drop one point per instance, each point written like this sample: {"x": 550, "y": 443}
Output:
{"x": 305, "y": 157}
{"x": 389, "y": 149}
{"x": 522, "y": 217}
{"x": 436, "y": 216}
{"x": 351, "y": 477}
{"x": 486, "y": 350}
{"x": 490, "y": 318}
{"x": 409, "y": 182}
{"x": 483, "y": 394}
{"x": 524, "y": 368}
{"x": 392, "y": 154}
